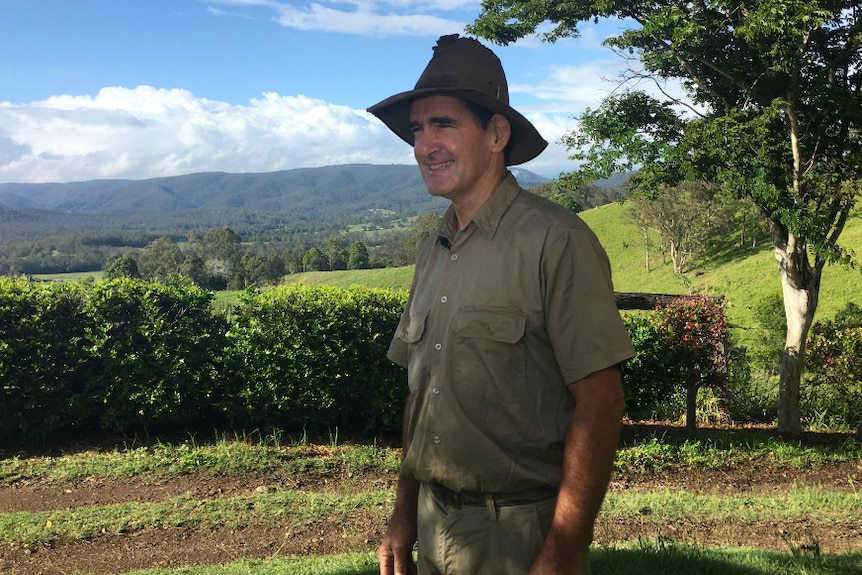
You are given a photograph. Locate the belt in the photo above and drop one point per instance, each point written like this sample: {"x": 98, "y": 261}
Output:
{"x": 459, "y": 499}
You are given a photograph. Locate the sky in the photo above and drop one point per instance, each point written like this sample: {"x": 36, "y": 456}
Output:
{"x": 134, "y": 89}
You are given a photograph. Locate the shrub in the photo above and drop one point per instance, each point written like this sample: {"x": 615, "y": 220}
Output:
{"x": 681, "y": 347}
{"x": 316, "y": 358}
{"x": 153, "y": 347}
{"x": 43, "y": 360}
{"x": 832, "y": 393}
{"x": 652, "y": 389}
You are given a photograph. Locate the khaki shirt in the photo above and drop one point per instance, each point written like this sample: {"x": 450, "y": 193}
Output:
{"x": 501, "y": 317}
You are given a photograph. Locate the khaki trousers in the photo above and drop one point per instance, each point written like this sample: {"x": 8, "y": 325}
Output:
{"x": 474, "y": 540}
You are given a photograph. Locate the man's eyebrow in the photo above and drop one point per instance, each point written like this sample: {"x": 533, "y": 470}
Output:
{"x": 444, "y": 120}
{"x": 439, "y": 120}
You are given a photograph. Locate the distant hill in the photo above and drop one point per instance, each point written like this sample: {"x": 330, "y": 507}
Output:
{"x": 345, "y": 194}
{"x": 333, "y": 189}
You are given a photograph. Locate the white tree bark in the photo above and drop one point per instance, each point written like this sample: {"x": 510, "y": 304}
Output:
{"x": 800, "y": 283}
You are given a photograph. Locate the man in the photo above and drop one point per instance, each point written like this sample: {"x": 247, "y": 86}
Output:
{"x": 512, "y": 343}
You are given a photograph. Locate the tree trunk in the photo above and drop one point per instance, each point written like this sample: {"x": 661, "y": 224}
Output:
{"x": 800, "y": 283}
{"x": 859, "y": 431}
{"x": 646, "y": 247}
{"x": 691, "y": 407}
{"x": 675, "y": 255}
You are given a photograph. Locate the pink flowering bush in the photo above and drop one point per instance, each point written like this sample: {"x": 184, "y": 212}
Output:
{"x": 681, "y": 347}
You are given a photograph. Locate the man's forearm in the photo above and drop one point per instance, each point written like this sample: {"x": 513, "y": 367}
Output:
{"x": 591, "y": 444}
{"x": 396, "y": 549}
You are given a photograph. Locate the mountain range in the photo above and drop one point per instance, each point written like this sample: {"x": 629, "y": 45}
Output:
{"x": 346, "y": 194}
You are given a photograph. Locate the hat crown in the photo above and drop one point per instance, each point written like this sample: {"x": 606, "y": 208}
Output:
{"x": 465, "y": 63}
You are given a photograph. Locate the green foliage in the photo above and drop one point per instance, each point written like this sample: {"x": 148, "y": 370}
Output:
{"x": 151, "y": 347}
{"x": 44, "y": 363}
{"x": 651, "y": 391}
{"x": 130, "y": 357}
{"x": 316, "y": 358}
{"x": 160, "y": 260}
{"x": 314, "y": 260}
{"x": 778, "y": 117}
{"x": 123, "y": 266}
{"x": 358, "y": 257}
{"x": 772, "y": 325}
{"x": 681, "y": 347}
{"x": 126, "y": 356}
{"x": 687, "y": 217}
{"x": 834, "y": 377}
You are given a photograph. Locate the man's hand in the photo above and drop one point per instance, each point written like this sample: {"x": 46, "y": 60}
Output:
{"x": 396, "y": 550}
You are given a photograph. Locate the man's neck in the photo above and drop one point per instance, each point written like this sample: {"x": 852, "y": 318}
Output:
{"x": 466, "y": 208}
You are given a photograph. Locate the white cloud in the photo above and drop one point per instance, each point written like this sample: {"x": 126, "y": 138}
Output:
{"x": 147, "y": 132}
{"x": 320, "y": 18}
{"x": 388, "y": 18}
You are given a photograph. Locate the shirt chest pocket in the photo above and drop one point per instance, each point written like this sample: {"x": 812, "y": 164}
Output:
{"x": 490, "y": 356}
{"x": 495, "y": 324}
{"x": 491, "y": 368}
{"x": 410, "y": 332}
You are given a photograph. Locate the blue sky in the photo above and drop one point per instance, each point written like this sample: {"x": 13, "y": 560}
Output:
{"x": 135, "y": 89}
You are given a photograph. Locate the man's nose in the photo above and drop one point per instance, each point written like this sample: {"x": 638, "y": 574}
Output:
{"x": 424, "y": 144}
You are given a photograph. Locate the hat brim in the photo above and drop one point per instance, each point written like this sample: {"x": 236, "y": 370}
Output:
{"x": 525, "y": 144}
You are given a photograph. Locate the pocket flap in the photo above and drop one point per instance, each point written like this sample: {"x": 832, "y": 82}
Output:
{"x": 412, "y": 328}
{"x": 498, "y": 324}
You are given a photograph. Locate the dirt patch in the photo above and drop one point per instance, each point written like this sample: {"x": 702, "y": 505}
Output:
{"x": 174, "y": 548}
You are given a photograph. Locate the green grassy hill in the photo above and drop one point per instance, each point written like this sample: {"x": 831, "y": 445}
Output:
{"x": 744, "y": 279}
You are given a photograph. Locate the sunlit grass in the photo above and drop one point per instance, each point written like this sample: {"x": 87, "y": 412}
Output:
{"x": 227, "y": 457}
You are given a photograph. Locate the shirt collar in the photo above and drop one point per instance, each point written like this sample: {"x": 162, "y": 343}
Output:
{"x": 487, "y": 218}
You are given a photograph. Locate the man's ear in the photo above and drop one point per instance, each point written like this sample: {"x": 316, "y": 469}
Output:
{"x": 502, "y": 130}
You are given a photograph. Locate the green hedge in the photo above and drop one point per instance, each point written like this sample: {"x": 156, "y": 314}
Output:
{"x": 315, "y": 358}
{"x": 127, "y": 357}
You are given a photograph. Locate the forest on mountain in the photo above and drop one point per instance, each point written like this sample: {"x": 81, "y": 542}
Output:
{"x": 86, "y": 226}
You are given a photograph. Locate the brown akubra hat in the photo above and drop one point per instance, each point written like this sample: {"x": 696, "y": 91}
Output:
{"x": 464, "y": 68}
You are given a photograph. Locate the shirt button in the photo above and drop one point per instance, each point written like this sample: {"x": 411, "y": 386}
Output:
{"x": 436, "y": 391}
{"x": 454, "y": 257}
{"x": 438, "y": 346}
{"x": 436, "y": 439}
{"x": 444, "y": 299}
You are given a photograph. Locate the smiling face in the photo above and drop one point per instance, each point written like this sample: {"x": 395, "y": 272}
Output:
{"x": 459, "y": 160}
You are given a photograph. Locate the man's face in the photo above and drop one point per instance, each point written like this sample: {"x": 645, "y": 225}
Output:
{"x": 455, "y": 155}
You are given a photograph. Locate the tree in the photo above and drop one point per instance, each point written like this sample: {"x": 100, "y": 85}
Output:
{"x": 220, "y": 248}
{"x": 335, "y": 250}
{"x": 358, "y": 258}
{"x": 686, "y": 216}
{"x": 160, "y": 260}
{"x": 123, "y": 266}
{"x": 314, "y": 261}
{"x": 778, "y": 86}
{"x": 423, "y": 226}
{"x": 565, "y": 200}
{"x": 262, "y": 270}
{"x": 293, "y": 260}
